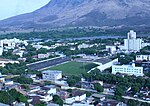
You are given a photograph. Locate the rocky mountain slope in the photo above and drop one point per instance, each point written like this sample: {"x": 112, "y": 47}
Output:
{"x": 58, "y": 13}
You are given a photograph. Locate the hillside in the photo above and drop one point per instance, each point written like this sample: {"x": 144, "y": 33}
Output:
{"x": 59, "y": 13}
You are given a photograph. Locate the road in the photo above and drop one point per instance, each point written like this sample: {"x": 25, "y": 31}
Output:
{"x": 128, "y": 97}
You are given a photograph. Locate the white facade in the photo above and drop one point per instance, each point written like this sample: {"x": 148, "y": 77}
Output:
{"x": 84, "y": 46}
{"x": 52, "y": 75}
{"x": 128, "y": 69}
{"x": 132, "y": 43}
{"x": 142, "y": 57}
{"x": 111, "y": 49}
{"x": 74, "y": 99}
{"x": 3, "y": 62}
{"x": 11, "y": 43}
{"x": 1, "y": 51}
{"x": 41, "y": 56}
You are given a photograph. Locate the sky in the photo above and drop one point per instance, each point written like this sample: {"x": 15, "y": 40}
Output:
{"x": 9, "y": 8}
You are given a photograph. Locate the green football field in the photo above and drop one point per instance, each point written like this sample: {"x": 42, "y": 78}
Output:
{"x": 73, "y": 68}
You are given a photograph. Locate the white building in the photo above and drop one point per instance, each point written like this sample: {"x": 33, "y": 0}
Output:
{"x": 78, "y": 98}
{"x": 128, "y": 69}
{"x": 52, "y": 75}
{"x": 143, "y": 57}
{"x": 11, "y": 43}
{"x": 41, "y": 56}
{"x": 3, "y": 62}
{"x": 111, "y": 49}
{"x": 84, "y": 46}
{"x": 132, "y": 43}
{"x": 1, "y": 50}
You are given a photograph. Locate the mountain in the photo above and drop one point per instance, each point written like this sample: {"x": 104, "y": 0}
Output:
{"x": 59, "y": 13}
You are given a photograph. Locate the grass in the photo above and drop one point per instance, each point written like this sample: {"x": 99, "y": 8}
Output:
{"x": 74, "y": 68}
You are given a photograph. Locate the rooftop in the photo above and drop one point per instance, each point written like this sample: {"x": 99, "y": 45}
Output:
{"x": 103, "y": 60}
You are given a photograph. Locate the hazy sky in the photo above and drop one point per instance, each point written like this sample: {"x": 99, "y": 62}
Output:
{"x": 10, "y": 8}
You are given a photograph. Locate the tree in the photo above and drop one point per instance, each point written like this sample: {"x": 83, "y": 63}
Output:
{"x": 4, "y": 97}
{"x": 119, "y": 91}
{"x": 98, "y": 87}
{"x": 88, "y": 94}
{"x": 72, "y": 80}
{"x": 135, "y": 89}
{"x": 57, "y": 100}
{"x": 23, "y": 80}
{"x": 145, "y": 104}
{"x": 132, "y": 102}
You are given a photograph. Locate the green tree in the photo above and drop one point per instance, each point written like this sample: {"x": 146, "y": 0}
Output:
{"x": 4, "y": 97}
{"x": 88, "y": 94}
{"x": 23, "y": 80}
{"x": 98, "y": 87}
{"x": 132, "y": 102}
{"x": 57, "y": 100}
{"x": 119, "y": 91}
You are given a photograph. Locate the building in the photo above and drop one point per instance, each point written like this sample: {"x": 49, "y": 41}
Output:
{"x": 143, "y": 57}
{"x": 128, "y": 69}
{"x": 132, "y": 43}
{"x": 83, "y": 46}
{"x": 52, "y": 75}
{"x": 3, "y": 62}
{"x": 41, "y": 56}
{"x": 11, "y": 43}
{"x": 77, "y": 96}
{"x": 111, "y": 49}
{"x": 1, "y": 50}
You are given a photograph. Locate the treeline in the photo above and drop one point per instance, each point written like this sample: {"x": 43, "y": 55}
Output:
{"x": 65, "y": 33}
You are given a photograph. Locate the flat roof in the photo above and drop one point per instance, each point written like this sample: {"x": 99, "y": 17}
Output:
{"x": 103, "y": 60}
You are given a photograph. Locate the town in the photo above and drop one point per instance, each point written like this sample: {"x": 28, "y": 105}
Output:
{"x": 85, "y": 72}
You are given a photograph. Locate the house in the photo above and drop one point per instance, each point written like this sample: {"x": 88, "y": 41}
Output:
{"x": 19, "y": 104}
{"x": 110, "y": 102}
{"x": 2, "y": 104}
{"x": 98, "y": 96}
{"x": 143, "y": 57}
{"x": 34, "y": 88}
{"x": 41, "y": 56}
{"x": 3, "y": 62}
{"x": 52, "y": 75}
{"x": 77, "y": 96}
{"x": 49, "y": 89}
{"x": 2, "y": 79}
{"x": 18, "y": 52}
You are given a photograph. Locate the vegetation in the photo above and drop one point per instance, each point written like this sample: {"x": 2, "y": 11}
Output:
{"x": 65, "y": 33}
{"x": 8, "y": 55}
{"x": 72, "y": 80}
{"x": 8, "y": 97}
{"x": 98, "y": 87}
{"x": 57, "y": 100}
{"x": 23, "y": 80}
{"x": 41, "y": 104}
{"x": 123, "y": 83}
{"x": 15, "y": 69}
